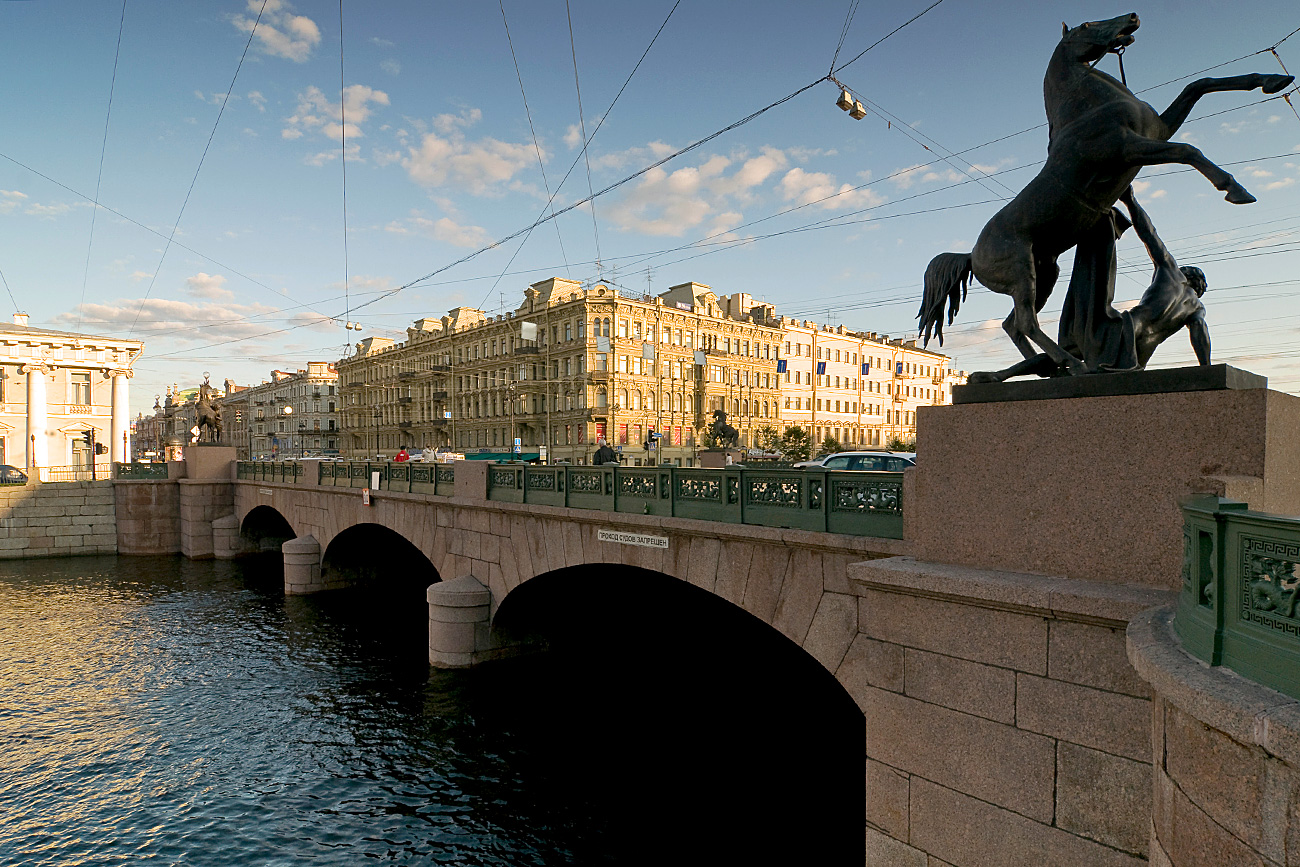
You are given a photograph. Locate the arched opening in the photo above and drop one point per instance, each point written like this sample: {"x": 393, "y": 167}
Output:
{"x": 693, "y": 731}
{"x": 386, "y": 576}
{"x": 265, "y": 529}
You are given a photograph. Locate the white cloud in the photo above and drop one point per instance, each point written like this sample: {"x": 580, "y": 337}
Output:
{"x": 479, "y": 166}
{"x": 392, "y": 67}
{"x": 1277, "y": 185}
{"x": 203, "y": 285}
{"x": 638, "y": 156}
{"x": 215, "y": 98}
{"x": 819, "y": 188}
{"x": 258, "y": 101}
{"x": 573, "y": 136}
{"x": 381, "y": 42}
{"x": 451, "y": 123}
{"x": 137, "y": 276}
{"x": 443, "y": 229}
{"x": 316, "y": 113}
{"x": 10, "y": 199}
{"x": 279, "y": 33}
{"x": 191, "y": 322}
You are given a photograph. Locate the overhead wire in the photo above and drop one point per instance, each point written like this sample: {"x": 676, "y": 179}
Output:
{"x": 586, "y": 149}
{"x": 537, "y": 149}
{"x": 343, "y": 163}
{"x": 99, "y": 177}
{"x": 224, "y": 102}
{"x": 586, "y": 142}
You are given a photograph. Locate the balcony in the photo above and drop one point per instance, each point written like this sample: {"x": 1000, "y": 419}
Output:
{"x": 598, "y": 375}
{"x": 438, "y": 422}
{"x": 527, "y": 350}
{"x": 404, "y": 424}
{"x": 440, "y": 368}
{"x": 438, "y": 395}
{"x": 406, "y": 374}
{"x": 405, "y": 399}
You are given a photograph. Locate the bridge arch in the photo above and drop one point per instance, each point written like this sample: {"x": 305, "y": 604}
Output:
{"x": 264, "y": 528}
{"x": 376, "y": 556}
{"x": 726, "y": 738}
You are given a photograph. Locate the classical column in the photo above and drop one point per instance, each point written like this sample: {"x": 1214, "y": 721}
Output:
{"x": 37, "y": 446}
{"x": 119, "y": 448}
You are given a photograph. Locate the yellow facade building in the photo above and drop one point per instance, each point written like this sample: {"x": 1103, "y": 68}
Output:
{"x": 570, "y": 366}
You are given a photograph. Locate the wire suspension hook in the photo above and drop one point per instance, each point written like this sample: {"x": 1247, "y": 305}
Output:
{"x": 1119, "y": 52}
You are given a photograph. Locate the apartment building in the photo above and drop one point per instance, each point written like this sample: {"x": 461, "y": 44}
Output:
{"x": 572, "y": 365}
{"x": 292, "y": 414}
{"x": 861, "y": 388}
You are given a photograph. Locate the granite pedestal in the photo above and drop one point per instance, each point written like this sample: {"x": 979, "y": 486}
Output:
{"x": 1088, "y": 487}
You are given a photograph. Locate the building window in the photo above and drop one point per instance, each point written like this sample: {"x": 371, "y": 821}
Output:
{"x": 81, "y": 389}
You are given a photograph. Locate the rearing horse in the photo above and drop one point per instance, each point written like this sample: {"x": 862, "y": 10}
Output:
{"x": 1099, "y": 136}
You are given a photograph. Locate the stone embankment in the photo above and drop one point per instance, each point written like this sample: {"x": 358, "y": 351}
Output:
{"x": 57, "y": 519}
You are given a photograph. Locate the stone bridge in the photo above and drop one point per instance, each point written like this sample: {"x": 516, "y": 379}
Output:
{"x": 1002, "y": 721}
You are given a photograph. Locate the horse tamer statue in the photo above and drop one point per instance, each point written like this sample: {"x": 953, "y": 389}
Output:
{"x": 208, "y": 416}
{"x": 1099, "y": 136}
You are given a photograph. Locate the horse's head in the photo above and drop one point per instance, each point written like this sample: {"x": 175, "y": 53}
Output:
{"x": 1091, "y": 40}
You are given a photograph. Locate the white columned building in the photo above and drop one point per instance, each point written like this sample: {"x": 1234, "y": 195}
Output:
{"x": 64, "y": 398}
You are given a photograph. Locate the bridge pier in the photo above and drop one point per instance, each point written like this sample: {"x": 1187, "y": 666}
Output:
{"x": 302, "y": 566}
{"x": 227, "y": 543}
{"x": 460, "y": 617}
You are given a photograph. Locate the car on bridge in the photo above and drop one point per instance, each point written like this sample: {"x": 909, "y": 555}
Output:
{"x": 893, "y": 462}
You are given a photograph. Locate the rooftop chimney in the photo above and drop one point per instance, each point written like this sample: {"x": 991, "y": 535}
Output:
{"x": 20, "y": 319}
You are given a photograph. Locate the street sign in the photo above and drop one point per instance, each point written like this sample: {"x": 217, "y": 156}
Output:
{"x": 519, "y": 450}
{"x": 519, "y": 441}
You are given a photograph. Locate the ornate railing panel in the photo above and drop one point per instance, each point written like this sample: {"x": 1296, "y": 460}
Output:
{"x": 143, "y": 471}
{"x": 1240, "y": 592}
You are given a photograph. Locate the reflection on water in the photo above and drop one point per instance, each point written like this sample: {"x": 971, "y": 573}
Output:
{"x": 187, "y": 712}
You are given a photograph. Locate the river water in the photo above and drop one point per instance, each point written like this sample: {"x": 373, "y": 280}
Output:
{"x": 166, "y": 711}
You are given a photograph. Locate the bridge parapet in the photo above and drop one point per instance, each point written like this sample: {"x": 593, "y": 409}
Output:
{"x": 846, "y": 502}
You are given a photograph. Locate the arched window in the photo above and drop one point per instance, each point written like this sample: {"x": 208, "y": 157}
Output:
{"x": 650, "y": 401}
{"x": 636, "y": 399}
{"x": 622, "y": 398}
{"x": 602, "y": 399}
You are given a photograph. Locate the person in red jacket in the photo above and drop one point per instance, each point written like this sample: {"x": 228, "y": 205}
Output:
{"x": 402, "y": 455}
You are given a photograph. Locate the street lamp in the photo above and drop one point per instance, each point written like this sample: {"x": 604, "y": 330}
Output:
{"x": 288, "y": 410}
{"x": 378, "y": 414}
{"x": 302, "y": 434}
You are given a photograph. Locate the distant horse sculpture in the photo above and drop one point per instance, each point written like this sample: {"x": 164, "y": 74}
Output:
{"x": 208, "y": 417}
{"x": 1099, "y": 136}
{"x": 724, "y": 436}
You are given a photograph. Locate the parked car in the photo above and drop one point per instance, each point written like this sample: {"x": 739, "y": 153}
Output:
{"x": 893, "y": 462}
{"x": 12, "y": 475}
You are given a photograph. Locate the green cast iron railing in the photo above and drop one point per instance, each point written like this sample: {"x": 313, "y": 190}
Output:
{"x": 1239, "y": 602}
{"x": 140, "y": 470}
{"x": 852, "y": 503}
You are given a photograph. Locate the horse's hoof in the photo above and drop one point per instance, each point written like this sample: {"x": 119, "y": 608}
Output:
{"x": 1237, "y": 195}
{"x": 984, "y": 376}
{"x": 1274, "y": 83}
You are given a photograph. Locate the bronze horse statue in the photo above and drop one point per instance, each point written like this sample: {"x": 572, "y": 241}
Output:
{"x": 207, "y": 416}
{"x": 1099, "y": 137}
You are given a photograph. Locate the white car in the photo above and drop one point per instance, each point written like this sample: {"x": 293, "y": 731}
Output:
{"x": 893, "y": 462}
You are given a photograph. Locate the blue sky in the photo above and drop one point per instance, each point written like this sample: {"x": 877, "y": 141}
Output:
{"x": 442, "y": 159}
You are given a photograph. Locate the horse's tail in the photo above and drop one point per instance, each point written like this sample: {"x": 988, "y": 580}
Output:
{"x": 946, "y": 279}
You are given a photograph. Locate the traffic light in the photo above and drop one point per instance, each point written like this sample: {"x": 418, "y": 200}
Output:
{"x": 101, "y": 449}
{"x": 88, "y": 437}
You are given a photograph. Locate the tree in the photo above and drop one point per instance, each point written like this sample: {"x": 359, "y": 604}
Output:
{"x": 795, "y": 444}
{"x": 830, "y": 446}
{"x": 897, "y": 444}
{"x": 767, "y": 438}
